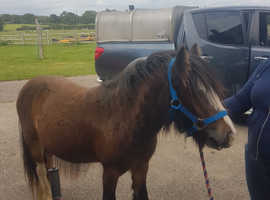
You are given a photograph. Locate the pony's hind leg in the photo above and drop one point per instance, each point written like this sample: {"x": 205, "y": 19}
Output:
{"x": 139, "y": 174}
{"x": 35, "y": 167}
{"x": 43, "y": 187}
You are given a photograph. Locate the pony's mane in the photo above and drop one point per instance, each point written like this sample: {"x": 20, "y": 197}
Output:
{"x": 127, "y": 83}
{"x": 131, "y": 78}
{"x": 140, "y": 70}
{"x": 153, "y": 70}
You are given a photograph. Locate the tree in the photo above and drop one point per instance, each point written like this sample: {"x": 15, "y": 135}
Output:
{"x": 54, "y": 19}
{"x": 6, "y": 18}
{"x": 88, "y": 17}
{"x": 11, "y": 19}
{"x": 28, "y": 19}
{"x": 16, "y": 19}
{"x": 1, "y": 25}
{"x": 110, "y": 10}
{"x": 69, "y": 18}
{"x": 43, "y": 19}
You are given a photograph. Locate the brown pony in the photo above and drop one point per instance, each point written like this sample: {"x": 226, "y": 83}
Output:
{"x": 117, "y": 122}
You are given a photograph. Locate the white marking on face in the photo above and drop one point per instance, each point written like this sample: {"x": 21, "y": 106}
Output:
{"x": 216, "y": 102}
{"x": 219, "y": 106}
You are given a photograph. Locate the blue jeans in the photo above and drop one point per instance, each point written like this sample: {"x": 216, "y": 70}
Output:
{"x": 257, "y": 176}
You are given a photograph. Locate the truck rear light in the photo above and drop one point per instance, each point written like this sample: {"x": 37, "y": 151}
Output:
{"x": 98, "y": 52}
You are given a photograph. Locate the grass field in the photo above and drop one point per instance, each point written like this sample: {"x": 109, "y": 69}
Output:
{"x": 13, "y": 27}
{"x": 11, "y": 36}
{"x": 19, "y": 62}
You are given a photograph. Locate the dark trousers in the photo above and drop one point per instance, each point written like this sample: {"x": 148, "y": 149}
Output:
{"x": 257, "y": 176}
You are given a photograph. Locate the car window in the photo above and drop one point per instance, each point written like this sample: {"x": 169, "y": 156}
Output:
{"x": 220, "y": 27}
{"x": 200, "y": 24}
{"x": 265, "y": 29}
{"x": 224, "y": 28}
{"x": 246, "y": 21}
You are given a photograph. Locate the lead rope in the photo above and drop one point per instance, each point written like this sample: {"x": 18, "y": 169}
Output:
{"x": 207, "y": 183}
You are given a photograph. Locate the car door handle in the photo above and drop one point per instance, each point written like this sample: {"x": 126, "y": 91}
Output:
{"x": 207, "y": 57}
{"x": 261, "y": 58}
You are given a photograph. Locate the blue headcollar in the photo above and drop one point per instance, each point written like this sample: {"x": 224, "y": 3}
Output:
{"x": 198, "y": 123}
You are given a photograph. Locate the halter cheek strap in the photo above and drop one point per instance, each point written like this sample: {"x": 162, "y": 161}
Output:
{"x": 198, "y": 123}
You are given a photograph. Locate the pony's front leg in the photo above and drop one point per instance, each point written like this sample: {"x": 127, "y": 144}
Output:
{"x": 110, "y": 178}
{"x": 139, "y": 174}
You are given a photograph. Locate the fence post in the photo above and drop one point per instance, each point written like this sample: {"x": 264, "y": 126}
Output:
{"x": 47, "y": 36}
{"x": 39, "y": 39}
{"x": 77, "y": 38}
{"x": 23, "y": 42}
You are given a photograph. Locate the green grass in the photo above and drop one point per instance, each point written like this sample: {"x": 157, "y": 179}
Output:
{"x": 19, "y": 62}
{"x": 13, "y": 27}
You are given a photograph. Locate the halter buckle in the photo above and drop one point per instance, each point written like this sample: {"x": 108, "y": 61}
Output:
{"x": 200, "y": 124}
{"x": 175, "y": 102}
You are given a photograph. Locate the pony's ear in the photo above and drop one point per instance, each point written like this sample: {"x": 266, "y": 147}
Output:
{"x": 182, "y": 60}
{"x": 195, "y": 50}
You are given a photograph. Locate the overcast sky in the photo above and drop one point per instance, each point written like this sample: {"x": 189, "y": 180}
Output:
{"x": 47, "y": 7}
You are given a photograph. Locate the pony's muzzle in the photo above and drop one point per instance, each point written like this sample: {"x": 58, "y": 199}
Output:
{"x": 219, "y": 144}
{"x": 228, "y": 140}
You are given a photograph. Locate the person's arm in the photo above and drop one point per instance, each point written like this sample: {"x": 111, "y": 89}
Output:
{"x": 240, "y": 102}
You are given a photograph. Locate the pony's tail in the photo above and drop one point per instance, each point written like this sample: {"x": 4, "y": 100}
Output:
{"x": 28, "y": 162}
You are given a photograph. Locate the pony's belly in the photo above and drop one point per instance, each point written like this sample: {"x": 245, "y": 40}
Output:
{"x": 76, "y": 153}
{"x": 78, "y": 157}
{"x": 69, "y": 144}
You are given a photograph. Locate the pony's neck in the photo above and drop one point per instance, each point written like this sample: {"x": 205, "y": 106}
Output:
{"x": 153, "y": 103}
{"x": 142, "y": 105}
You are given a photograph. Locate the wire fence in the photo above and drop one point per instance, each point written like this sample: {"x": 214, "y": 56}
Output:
{"x": 48, "y": 37}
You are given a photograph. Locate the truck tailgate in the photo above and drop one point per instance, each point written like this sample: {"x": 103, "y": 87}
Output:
{"x": 117, "y": 55}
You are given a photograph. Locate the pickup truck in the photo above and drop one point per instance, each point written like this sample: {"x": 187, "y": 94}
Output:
{"x": 234, "y": 40}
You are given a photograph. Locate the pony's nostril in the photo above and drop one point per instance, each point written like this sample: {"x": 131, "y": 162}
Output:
{"x": 214, "y": 141}
{"x": 230, "y": 134}
{"x": 229, "y": 139}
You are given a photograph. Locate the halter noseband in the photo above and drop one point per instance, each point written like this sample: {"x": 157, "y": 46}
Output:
{"x": 175, "y": 104}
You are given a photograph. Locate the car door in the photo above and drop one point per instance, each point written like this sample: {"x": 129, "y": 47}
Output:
{"x": 222, "y": 36}
{"x": 260, "y": 38}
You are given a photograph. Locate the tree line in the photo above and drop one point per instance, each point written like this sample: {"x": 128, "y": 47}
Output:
{"x": 66, "y": 18}
{"x": 1, "y": 25}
